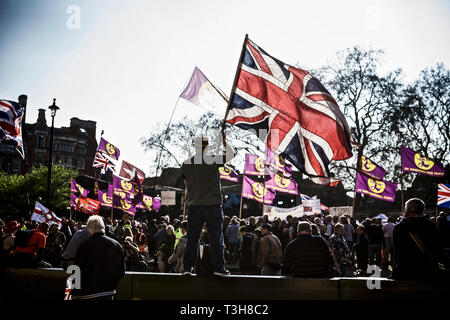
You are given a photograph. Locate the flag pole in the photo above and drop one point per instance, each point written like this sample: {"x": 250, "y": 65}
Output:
{"x": 184, "y": 203}
{"x": 403, "y": 199}
{"x": 236, "y": 77}
{"x": 240, "y": 203}
{"x": 358, "y": 167}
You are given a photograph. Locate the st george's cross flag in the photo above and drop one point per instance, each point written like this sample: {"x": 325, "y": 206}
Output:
{"x": 103, "y": 162}
{"x": 443, "y": 195}
{"x": 11, "y": 116}
{"x": 43, "y": 214}
{"x": 303, "y": 121}
{"x": 128, "y": 171}
{"x": 204, "y": 94}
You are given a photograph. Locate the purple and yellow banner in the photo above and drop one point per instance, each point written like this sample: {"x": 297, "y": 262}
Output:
{"x": 123, "y": 185}
{"x": 145, "y": 203}
{"x": 371, "y": 169}
{"x": 121, "y": 192}
{"x": 280, "y": 183}
{"x": 276, "y": 163}
{"x": 256, "y": 191}
{"x": 73, "y": 200}
{"x": 105, "y": 198}
{"x": 378, "y": 189}
{"x": 254, "y": 165}
{"x": 226, "y": 173}
{"x": 413, "y": 161}
{"x": 108, "y": 149}
{"x": 76, "y": 188}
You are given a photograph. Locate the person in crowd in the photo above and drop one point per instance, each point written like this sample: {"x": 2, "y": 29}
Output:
{"x": 317, "y": 221}
{"x": 55, "y": 244}
{"x": 67, "y": 230}
{"x": 269, "y": 253}
{"x": 276, "y": 229}
{"x": 417, "y": 249}
{"x": 307, "y": 256}
{"x": 245, "y": 261}
{"x": 119, "y": 230}
{"x": 341, "y": 251}
{"x": 161, "y": 235}
{"x": 251, "y": 224}
{"x": 329, "y": 224}
{"x": 361, "y": 249}
{"x": 443, "y": 229}
{"x": 101, "y": 262}
{"x": 166, "y": 250}
{"x": 68, "y": 256}
{"x": 30, "y": 246}
{"x": 388, "y": 229}
{"x": 348, "y": 230}
{"x": 314, "y": 230}
{"x": 7, "y": 242}
{"x": 375, "y": 234}
{"x": 226, "y": 222}
{"x": 256, "y": 241}
{"x": 204, "y": 199}
{"x": 134, "y": 260}
{"x": 177, "y": 257}
{"x": 110, "y": 234}
{"x": 233, "y": 240}
{"x": 323, "y": 232}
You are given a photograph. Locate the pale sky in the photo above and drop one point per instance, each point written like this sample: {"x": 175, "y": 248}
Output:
{"x": 128, "y": 62}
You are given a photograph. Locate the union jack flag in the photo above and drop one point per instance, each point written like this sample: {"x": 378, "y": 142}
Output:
{"x": 302, "y": 120}
{"x": 443, "y": 195}
{"x": 11, "y": 115}
{"x": 102, "y": 161}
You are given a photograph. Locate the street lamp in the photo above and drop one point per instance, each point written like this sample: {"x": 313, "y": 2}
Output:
{"x": 53, "y": 108}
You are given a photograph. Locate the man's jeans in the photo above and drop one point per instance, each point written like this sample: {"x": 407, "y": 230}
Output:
{"x": 197, "y": 216}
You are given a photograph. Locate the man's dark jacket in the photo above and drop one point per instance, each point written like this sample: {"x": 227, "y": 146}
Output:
{"x": 307, "y": 256}
{"x": 409, "y": 262}
{"x": 102, "y": 265}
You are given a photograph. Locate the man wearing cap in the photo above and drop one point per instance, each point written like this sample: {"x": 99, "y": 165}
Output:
{"x": 204, "y": 200}
{"x": 269, "y": 253}
{"x": 307, "y": 256}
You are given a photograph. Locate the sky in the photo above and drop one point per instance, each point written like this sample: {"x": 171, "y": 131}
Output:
{"x": 124, "y": 63}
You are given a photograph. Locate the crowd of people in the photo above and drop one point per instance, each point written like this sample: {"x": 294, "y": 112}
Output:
{"x": 309, "y": 246}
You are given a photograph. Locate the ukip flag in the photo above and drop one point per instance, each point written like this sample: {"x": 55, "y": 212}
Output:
{"x": 226, "y": 173}
{"x": 275, "y": 163}
{"x": 138, "y": 190}
{"x": 257, "y": 191}
{"x": 76, "y": 188}
{"x": 378, "y": 189}
{"x": 11, "y": 116}
{"x": 88, "y": 206}
{"x": 254, "y": 165}
{"x": 105, "y": 198}
{"x": 123, "y": 185}
{"x": 145, "y": 203}
{"x": 107, "y": 148}
{"x": 371, "y": 169}
{"x": 413, "y": 161}
{"x": 201, "y": 92}
{"x": 73, "y": 200}
{"x": 122, "y": 191}
{"x": 443, "y": 195}
{"x": 280, "y": 183}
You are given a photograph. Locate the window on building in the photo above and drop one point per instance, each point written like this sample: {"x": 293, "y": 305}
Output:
{"x": 82, "y": 150}
{"x": 66, "y": 147}
{"x": 40, "y": 140}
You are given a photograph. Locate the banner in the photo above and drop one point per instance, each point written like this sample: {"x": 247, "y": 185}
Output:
{"x": 254, "y": 165}
{"x": 105, "y": 198}
{"x": 226, "y": 173}
{"x": 339, "y": 211}
{"x": 312, "y": 206}
{"x": 256, "y": 191}
{"x": 168, "y": 198}
{"x": 276, "y": 163}
{"x": 275, "y": 212}
{"x": 378, "y": 189}
{"x": 122, "y": 201}
{"x": 76, "y": 188}
{"x": 145, "y": 203}
{"x": 371, "y": 168}
{"x": 122, "y": 185}
{"x": 73, "y": 200}
{"x": 108, "y": 149}
{"x": 88, "y": 206}
{"x": 282, "y": 184}
{"x": 415, "y": 162}
{"x": 43, "y": 214}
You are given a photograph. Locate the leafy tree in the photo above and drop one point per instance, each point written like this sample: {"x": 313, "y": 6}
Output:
{"x": 19, "y": 193}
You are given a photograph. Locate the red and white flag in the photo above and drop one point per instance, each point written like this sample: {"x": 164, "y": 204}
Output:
{"x": 43, "y": 214}
{"x": 128, "y": 171}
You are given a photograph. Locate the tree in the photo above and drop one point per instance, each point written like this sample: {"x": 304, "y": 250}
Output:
{"x": 19, "y": 193}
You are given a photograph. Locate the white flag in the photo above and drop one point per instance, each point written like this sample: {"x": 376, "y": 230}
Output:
{"x": 43, "y": 214}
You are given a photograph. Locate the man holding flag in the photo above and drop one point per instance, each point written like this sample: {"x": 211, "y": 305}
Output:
{"x": 204, "y": 199}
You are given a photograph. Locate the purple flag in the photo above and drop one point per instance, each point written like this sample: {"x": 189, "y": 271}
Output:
{"x": 138, "y": 191}
{"x": 371, "y": 168}
{"x": 105, "y": 198}
{"x": 108, "y": 149}
{"x": 276, "y": 163}
{"x": 256, "y": 191}
{"x": 145, "y": 203}
{"x": 280, "y": 183}
{"x": 73, "y": 200}
{"x": 156, "y": 203}
{"x": 226, "y": 173}
{"x": 122, "y": 201}
{"x": 375, "y": 188}
{"x": 254, "y": 165}
{"x": 413, "y": 161}
{"x": 123, "y": 185}
{"x": 76, "y": 188}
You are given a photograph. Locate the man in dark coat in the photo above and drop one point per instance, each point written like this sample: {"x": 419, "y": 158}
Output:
{"x": 245, "y": 261}
{"x": 307, "y": 256}
{"x": 416, "y": 245}
{"x": 101, "y": 263}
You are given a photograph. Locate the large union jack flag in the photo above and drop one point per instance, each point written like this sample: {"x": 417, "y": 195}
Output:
{"x": 11, "y": 115}
{"x": 103, "y": 162}
{"x": 443, "y": 195}
{"x": 302, "y": 120}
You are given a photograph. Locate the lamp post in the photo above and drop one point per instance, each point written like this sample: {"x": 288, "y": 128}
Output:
{"x": 53, "y": 108}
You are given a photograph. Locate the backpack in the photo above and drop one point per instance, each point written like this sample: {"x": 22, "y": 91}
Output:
{"x": 22, "y": 237}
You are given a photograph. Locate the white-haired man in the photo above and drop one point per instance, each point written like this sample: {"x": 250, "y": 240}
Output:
{"x": 101, "y": 263}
